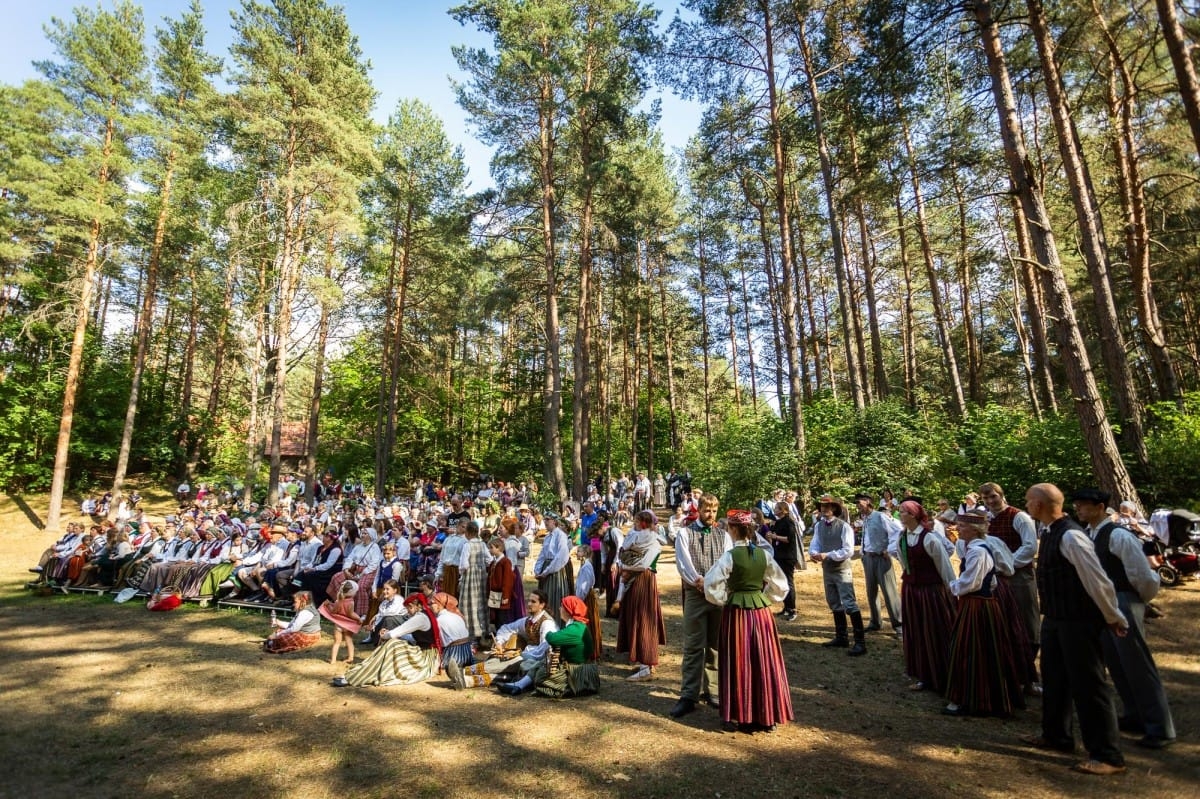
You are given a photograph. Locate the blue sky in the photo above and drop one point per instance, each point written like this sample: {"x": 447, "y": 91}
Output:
{"x": 407, "y": 41}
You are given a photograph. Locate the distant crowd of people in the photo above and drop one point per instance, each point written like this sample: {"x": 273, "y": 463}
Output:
{"x": 434, "y": 581}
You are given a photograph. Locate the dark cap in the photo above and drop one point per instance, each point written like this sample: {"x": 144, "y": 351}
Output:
{"x": 1094, "y": 495}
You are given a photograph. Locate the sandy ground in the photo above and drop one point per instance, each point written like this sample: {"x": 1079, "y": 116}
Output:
{"x": 106, "y": 700}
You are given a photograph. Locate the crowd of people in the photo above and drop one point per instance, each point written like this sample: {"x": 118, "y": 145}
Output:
{"x": 434, "y": 582}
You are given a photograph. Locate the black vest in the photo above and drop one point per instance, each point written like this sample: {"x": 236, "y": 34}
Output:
{"x": 1113, "y": 566}
{"x": 1060, "y": 590}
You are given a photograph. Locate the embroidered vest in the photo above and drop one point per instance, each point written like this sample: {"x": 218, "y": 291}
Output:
{"x": 705, "y": 547}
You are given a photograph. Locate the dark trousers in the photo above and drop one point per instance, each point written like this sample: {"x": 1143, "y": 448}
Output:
{"x": 1134, "y": 674}
{"x": 1073, "y": 674}
{"x": 789, "y": 571}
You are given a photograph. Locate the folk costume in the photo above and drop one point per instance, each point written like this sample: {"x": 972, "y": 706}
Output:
{"x": 833, "y": 539}
{"x": 697, "y": 548}
{"x": 303, "y": 632}
{"x": 640, "y": 628}
{"x": 927, "y": 603}
{"x": 553, "y": 568}
{"x": 472, "y": 586}
{"x": 408, "y": 653}
{"x": 753, "y": 677}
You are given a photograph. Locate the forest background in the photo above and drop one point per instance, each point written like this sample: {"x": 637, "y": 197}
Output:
{"x": 912, "y": 245}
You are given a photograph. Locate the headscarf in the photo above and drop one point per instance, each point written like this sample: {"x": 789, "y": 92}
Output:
{"x": 741, "y": 517}
{"x": 419, "y": 598}
{"x": 914, "y": 509}
{"x": 448, "y": 602}
{"x": 575, "y": 608}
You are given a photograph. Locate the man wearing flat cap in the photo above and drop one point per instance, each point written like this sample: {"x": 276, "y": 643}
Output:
{"x": 1128, "y": 658}
{"x": 1078, "y": 602}
{"x": 833, "y": 547}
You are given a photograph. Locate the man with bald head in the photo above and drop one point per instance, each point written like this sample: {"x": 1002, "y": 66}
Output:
{"x": 1078, "y": 603}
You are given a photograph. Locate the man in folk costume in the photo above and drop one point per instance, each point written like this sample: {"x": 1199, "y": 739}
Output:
{"x": 1128, "y": 657}
{"x": 1078, "y": 602}
{"x": 697, "y": 547}
{"x": 833, "y": 547}
{"x": 881, "y": 535}
{"x": 529, "y": 661}
{"x": 1017, "y": 530}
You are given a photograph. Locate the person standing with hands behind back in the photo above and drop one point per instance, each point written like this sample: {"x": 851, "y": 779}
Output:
{"x": 1078, "y": 603}
{"x": 697, "y": 547}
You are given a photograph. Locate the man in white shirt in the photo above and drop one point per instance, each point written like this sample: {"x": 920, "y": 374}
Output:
{"x": 1017, "y": 530}
{"x": 1077, "y": 602}
{"x": 528, "y": 665}
{"x": 1128, "y": 657}
{"x": 881, "y": 534}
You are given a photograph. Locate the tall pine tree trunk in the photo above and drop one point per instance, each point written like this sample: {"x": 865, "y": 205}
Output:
{"x": 1110, "y": 470}
{"x": 1091, "y": 241}
{"x": 314, "y": 404}
{"x": 1185, "y": 69}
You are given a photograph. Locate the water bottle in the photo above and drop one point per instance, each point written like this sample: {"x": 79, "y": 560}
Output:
{"x": 273, "y": 618}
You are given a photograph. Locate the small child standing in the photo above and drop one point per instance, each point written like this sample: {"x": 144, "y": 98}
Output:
{"x": 346, "y": 621}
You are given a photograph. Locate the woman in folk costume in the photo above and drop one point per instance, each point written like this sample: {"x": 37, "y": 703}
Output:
{"x": 303, "y": 631}
{"x": 360, "y": 565}
{"x": 925, "y": 599}
{"x": 981, "y": 678}
{"x": 407, "y": 654}
{"x": 473, "y": 582}
{"x": 745, "y": 580}
{"x": 346, "y": 621}
{"x": 456, "y": 642}
{"x": 640, "y": 628}
{"x": 448, "y": 570}
{"x": 516, "y": 549}
{"x": 553, "y": 568}
{"x": 585, "y": 589}
{"x": 327, "y": 564}
{"x": 573, "y": 671}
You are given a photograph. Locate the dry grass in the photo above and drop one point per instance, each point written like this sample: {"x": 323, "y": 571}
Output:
{"x": 105, "y": 700}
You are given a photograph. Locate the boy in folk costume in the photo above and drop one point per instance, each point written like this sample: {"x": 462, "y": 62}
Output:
{"x": 833, "y": 547}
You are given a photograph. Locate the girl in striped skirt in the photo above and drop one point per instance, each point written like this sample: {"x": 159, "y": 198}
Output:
{"x": 754, "y": 691}
{"x": 981, "y": 679}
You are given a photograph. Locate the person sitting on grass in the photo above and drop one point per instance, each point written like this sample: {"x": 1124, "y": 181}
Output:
{"x": 529, "y": 633}
{"x": 302, "y": 632}
{"x": 572, "y": 669}
{"x": 408, "y": 653}
{"x": 346, "y": 621}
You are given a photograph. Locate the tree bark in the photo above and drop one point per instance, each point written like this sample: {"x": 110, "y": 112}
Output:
{"x": 1185, "y": 70}
{"x": 314, "y": 404}
{"x": 1110, "y": 470}
{"x": 552, "y": 380}
{"x": 1091, "y": 240}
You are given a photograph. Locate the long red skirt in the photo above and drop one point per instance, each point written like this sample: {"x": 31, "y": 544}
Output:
{"x": 928, "y": 611}
{"x": 980, "y": 678}
{"x": 640, "y": 628}
{"x": 290, "y": 642}
{"x": 753, "y": 678}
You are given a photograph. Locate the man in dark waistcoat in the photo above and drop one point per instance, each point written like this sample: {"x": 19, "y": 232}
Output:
{"x": 1079, "y": 606}
{"x": 1143, "y": 699}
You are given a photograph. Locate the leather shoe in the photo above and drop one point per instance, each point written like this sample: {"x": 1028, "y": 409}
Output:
{"x": 1154, "y": 742}
{"x": 509, "y": 689}
{"x": 1038, "y": 742}
{"x": 1098, "y": 768}
{"x": 708, "y": 699}
{"x": 682, "y": 708}
{"x": 873, "y": 628}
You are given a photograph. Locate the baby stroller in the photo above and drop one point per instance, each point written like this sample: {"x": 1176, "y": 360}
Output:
{"x": 1180, "y": 556}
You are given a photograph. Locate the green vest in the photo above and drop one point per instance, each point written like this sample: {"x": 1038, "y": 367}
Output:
{"x": 746, "y": 580}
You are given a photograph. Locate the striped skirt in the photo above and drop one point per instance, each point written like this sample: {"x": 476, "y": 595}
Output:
{"x": 396, "y": 662}
{"x": 189, "y": 586}
{"x": 557, "y": 586}
{"x": 753, "y": 678}
{"x": 131, "y": 573}
{"x": 459, "y": 653}
{"x": 450, "y": 579}
{"x": 640, "y": 628}
{"x": 335, "y": 585}
{"x": 928, "y": 612}
{"x": 290, "y": 642}
{"x": 981, "y": 679}
{"x": 1019, "y": 657}
{"x": 472, "y": 601}
{"x": 593, "y": 623}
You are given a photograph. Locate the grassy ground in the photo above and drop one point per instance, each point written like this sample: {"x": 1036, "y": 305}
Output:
{"x": 106, "y": 700}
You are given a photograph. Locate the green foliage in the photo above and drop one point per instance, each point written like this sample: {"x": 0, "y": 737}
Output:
{"x": 749, "y": 457}
{"x": 1173, "y": 439}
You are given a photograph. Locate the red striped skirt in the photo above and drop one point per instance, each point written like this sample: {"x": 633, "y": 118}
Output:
{"x": 753, "y": 678}
{"x": 980, "y": 679}
{"x": 1019, "y": 658}
{"x": 290, "y": 642}
{"x": 928, "y": 612}
{"x": 640, "y": 628}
